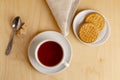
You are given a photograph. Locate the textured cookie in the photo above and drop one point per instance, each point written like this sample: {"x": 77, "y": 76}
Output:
{"x": 88, "y": 32}
{"x": 97, "y": 19}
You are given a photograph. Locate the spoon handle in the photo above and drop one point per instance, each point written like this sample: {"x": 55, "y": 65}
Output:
{"x": 9, "y": 47}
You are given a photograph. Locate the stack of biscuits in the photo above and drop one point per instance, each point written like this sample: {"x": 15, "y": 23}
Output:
{"x": 91, "y": 27}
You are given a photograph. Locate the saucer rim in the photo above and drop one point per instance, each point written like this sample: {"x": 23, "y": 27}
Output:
{"x": 34, "y": 64}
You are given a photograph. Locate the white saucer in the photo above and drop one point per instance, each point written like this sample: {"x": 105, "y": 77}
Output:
{"x": 103, "y": 35}
{"x": 52, "y": 35}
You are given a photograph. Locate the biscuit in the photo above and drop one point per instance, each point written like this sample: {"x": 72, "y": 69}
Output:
{"x": 97, "y": 19}
{"x": 88, "y": 32}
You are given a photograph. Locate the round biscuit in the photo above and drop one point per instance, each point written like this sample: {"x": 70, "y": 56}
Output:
{"x": 97, "y": 19}
{"x": 88, "y": 33}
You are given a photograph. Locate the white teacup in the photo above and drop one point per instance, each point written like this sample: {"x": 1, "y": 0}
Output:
{"x": 39, "y": 41}
{"x": 61, "y": 61}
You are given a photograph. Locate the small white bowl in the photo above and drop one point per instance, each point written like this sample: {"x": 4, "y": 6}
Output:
{"x": 103, "y": 36}
{"x": 49, "y": 36}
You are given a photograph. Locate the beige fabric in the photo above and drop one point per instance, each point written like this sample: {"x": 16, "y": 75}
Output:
{"x": 63, "y": 11}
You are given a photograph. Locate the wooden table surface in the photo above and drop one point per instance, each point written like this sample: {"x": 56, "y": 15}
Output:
{"x": 88, "y": 63}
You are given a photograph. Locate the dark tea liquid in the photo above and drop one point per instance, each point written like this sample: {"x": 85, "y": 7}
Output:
{"x": 50, "y": 53}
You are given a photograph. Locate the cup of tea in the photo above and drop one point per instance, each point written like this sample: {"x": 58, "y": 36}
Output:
{"x": 49, "y": 54}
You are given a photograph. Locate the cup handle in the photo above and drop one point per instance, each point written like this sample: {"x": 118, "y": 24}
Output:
{"x": 66, "y": 64}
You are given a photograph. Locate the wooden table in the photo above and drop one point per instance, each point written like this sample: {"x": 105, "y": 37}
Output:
{"x": 88, "y": 63}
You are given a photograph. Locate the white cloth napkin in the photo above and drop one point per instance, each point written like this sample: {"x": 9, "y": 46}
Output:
{"x": 63, "y": 11}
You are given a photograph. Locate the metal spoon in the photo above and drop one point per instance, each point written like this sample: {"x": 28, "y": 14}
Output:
{"x": 16, "y": 25}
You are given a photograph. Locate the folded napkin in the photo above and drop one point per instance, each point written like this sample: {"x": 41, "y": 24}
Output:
{"x": 63, "y": 11}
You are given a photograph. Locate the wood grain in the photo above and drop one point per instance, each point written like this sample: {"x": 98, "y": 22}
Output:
{"x": 88, "y": 63}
